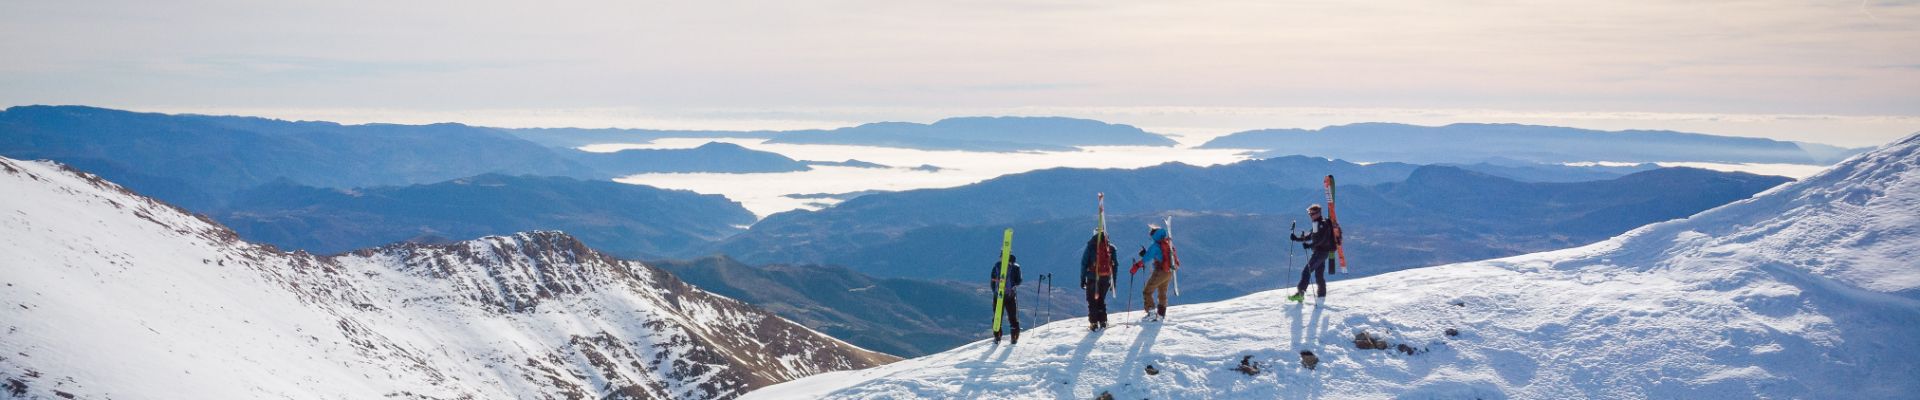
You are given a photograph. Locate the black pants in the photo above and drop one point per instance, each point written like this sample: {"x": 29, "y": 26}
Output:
{"x": 1008, "y": 307}
{"x": 1317, "y": 269}
{"x": 1097, "y": 295}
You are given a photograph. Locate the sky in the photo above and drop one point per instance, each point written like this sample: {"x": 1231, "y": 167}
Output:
{"x": 1838, "y": 72}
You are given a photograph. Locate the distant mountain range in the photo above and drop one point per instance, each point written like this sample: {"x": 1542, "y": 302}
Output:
{"x": 1473, "y": 143}
{"x": 711, "y": 157}
{"x": 200, "y": 161}
{"x": 325, "y": 187}
{"x": 848, "y": 163}
{"x": 1535, "y": 172}
{"x": 1232, "y": 220}
{"x": 577, "y": 137}
{"x": 996, "y": 134}
{"x": 626, "y": 220}
{"x": 989, "y": 134}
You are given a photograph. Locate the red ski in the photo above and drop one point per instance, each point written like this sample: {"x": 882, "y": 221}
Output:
{"x": 1335, "y": 218}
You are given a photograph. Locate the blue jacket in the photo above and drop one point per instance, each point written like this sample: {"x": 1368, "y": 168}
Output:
{"x": 1153, "y": 255}
{"x": 1013, "y": 272}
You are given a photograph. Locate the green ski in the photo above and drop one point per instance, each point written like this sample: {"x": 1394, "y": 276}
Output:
{"x": 1000, "y": 293}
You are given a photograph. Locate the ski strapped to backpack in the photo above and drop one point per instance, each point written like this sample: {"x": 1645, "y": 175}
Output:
{"x": 1103, "y": 263}
{"x": 1334, "y": 218}
{"x": 1103, "y": 259}
{"x": 1170, "y": 257}
{"x": 1000, "y": 294}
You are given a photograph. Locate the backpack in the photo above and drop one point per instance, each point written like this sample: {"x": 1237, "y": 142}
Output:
{"x": 1103, "y": 258}
{"x": 1168, "y": 259}
{"x": 1015, "y": 271}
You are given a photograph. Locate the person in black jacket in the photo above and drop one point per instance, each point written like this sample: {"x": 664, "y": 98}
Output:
{"x": 1321, "y": 241}
{"x": 1096, "y": 277}
{"x": 1008, "y": 307}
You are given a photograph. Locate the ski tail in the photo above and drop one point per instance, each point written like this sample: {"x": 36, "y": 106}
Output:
{"x": 1102, "y": 198}
{"x": 1104, "y": 260}
{"x": 999, "y": 294}
{"x": 1333, "y": 216}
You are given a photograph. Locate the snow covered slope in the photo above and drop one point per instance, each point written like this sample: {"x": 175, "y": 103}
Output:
{"x": 1806, "y": 291}
{"x": 111, "y": 295}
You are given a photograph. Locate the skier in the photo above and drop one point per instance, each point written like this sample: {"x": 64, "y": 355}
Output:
{"x": 1164, "y": 263}
{"x": 1322, "y": 241}
{"x": 1096, "y": 276}
{"x": 1013, "y": 318}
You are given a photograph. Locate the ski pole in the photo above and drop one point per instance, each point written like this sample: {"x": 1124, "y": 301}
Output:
{"x": 1291, "y": 227}
{"x": 1046, "y": 298}
{"x": 1130, "y": 290}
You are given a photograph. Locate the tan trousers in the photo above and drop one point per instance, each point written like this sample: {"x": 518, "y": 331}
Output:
{"x": 1157, "y": 283}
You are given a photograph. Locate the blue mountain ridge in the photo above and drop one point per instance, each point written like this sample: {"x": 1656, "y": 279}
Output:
{"x": 1472, "y": 143}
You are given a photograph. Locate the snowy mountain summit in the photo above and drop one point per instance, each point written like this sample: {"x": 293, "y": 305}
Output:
{"x": 111, "y": 295}
{"x": 1809, "y": 290}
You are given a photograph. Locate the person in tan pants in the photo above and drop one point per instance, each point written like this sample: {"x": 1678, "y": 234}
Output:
{"x": 1164, "y": 261}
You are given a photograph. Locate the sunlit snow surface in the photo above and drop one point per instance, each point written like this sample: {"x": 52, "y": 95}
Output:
{"x": 111, "y": 295}
{"x": 1809, "y": 290}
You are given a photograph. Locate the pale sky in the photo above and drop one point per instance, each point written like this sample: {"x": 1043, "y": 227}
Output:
{"x": 1841, "y": 72}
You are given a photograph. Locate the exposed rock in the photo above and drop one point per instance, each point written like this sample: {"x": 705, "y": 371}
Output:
{"x": 1307, "y": 359}
{"x": 1453, "y": 332}
{"x": 1366, "y": 341}
{"x": 1151, "y": 370}
{"x": 1247, "y": 366}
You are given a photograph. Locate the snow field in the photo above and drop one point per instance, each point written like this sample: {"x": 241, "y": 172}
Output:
{"x": 108, "y": 294}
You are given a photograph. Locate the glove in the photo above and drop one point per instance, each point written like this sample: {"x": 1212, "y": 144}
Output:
{"x": 1293, "y": 236}
{"x": 1305, "y": 245}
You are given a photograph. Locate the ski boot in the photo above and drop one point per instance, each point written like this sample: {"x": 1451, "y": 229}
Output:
{"x": 996, "y": 337}
{"x": 1016, "y": 337}
{"x": 1297, "y": 297}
